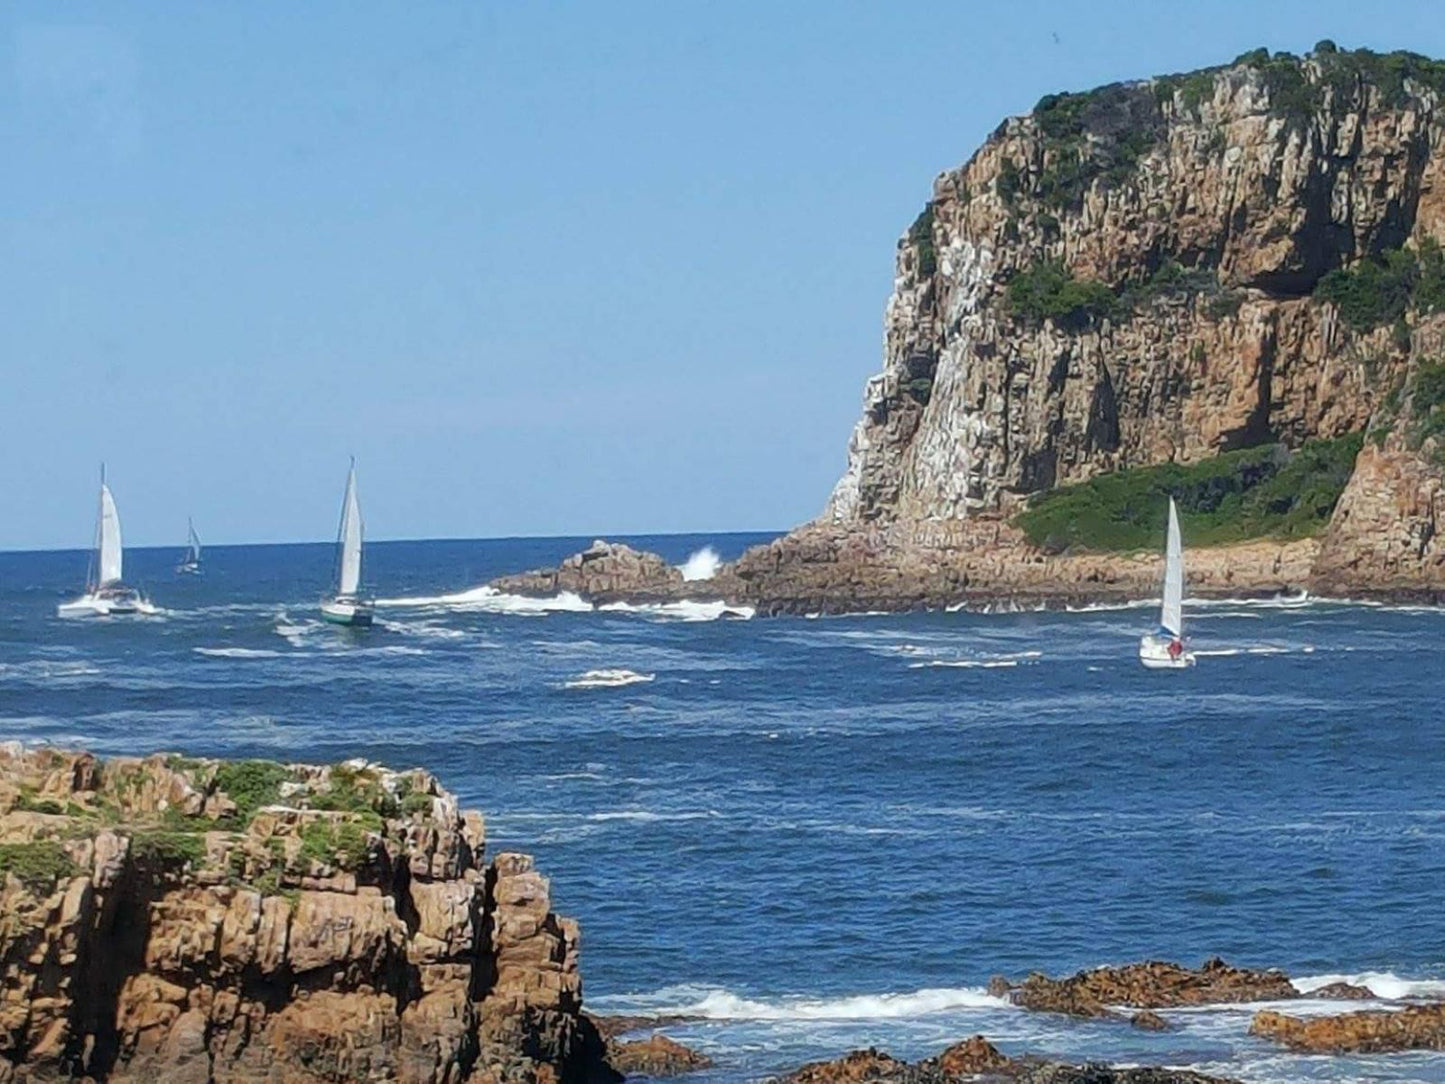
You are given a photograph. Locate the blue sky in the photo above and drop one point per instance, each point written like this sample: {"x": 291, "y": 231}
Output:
{"x": 545, "y": 268}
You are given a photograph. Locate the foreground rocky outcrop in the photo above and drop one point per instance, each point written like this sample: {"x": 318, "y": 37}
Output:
{"x": 194, "y": 920}
{"x": 1415, "y": 1027}
{"x": 977, "y": 1059}
{"x": 1150, "y": 272}
{"x": 1151, "y": 985}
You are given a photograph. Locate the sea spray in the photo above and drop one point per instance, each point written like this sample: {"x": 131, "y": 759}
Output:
{"x": 701, "y": 565}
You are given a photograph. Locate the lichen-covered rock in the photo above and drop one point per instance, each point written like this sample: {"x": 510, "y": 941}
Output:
{"x": 1415, "y": 1027}
{"x": 176, "y": 919}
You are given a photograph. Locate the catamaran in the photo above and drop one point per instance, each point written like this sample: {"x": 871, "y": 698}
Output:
{"x": 347, "y": 607}
{"x": 105, "y": 593}
{"x": 1164, "y": 649}
{"x": 191, "y": 563}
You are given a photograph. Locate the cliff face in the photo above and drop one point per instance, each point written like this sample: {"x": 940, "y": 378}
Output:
{"x": 1131, "y": 276}
{"x": 179, "y": 920}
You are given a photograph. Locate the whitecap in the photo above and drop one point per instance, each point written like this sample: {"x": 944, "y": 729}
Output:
{"x": 608, "y": 679}
{"x": 682, "y": 610}
{"x": 237, "y": 652}
{"x": 490, "y": 600}
{"x": 1383, "y": 984}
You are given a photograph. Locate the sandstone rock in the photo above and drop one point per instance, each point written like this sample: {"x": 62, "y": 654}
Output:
{"x": 971, "y": 1057}
{"x": 188, "y": 942}
{"x": 606, "y": 571}
{"x": 1148, "y": 1020}
{"x": 1151, "y": 985}
{"x": 656, "y": 1056}
{"x": 1343, "y": 991}
{"x": 1416, "y": 1027}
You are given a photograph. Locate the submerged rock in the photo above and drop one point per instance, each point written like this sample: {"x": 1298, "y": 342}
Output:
{"x": 655, "y": 1056}
{"x": 1343, "y": 991}
{"x": 177, "y": 919}
{"x": 978, "y": 1059}
{"x": 1416, "y": 1027}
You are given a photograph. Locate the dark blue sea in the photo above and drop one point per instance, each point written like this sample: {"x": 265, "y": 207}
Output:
{"x": 824, "y": 834}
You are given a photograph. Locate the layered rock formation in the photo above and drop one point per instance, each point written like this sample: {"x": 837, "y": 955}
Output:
{"x": 1415, "y": 1027}
{"x": 604, "y": 571}
{"x": 183, "y": 920}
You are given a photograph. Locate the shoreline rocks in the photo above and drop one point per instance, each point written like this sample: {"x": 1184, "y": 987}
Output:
{"x": 1371, "y": 1031}
{"x": 1154, "y": 984}
{"x": 176, "y": 919}
{"x": 974, "y": 1059}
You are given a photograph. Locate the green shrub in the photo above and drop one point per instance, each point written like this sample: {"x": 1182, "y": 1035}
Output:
{"x": 251, "y": 784}
{"x": 340, "y": 843}
{"x": 1373, "y": 291}
{"x": 1049, "y": 291}
{"x": 355, "y": 791}
{"x": 28, "y": 802}
{"x": 1251, "y": 493}
{"x": 920, "y": 235}
{"x": 38, "y": 864}
{"x": 416, "y": 803}
{"x": 164, "y": 847}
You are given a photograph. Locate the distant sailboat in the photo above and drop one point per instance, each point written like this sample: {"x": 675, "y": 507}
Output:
{"x": 1164, "y": 649}
{"x": 191, "y": 562}
{"x": 105, "y": 593}
{"x": 346, "y": 607}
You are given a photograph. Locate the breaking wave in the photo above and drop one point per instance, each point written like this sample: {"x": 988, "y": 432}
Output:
{"x": 702, "y": 565}
{"x": 237, "y": 652}
{"x": 720, "y": 1004}
{"x": 490, "y": 600}
{"x": 684, "y": 610}
{"x": 1383, "y": 984}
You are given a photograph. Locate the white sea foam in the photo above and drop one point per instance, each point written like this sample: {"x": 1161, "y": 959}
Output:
{"x": 608, "y": 679}
{"x": 990, "y": 662}
{"x": 683, "y": 610}
{"x": 719, "y": 1004}
{"x": 237, "y": 652}
{"x": 702, "y": 565}
{"x": 490, "y": 600}
{"x": 648, "y": 816}
{"x": 1383, "y": 984}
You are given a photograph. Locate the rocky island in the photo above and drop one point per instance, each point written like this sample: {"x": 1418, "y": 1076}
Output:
{"x": 1226, "y": 285}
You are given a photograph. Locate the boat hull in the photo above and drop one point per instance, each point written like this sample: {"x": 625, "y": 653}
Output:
{"x": 188, "y": 568}
{"x": 107, "y": 604}
{"x": 354, "y": 613}
{"x": 1154, "y": 654}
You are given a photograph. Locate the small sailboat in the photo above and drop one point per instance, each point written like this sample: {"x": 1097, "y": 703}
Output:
{"x": 191, "y": 563}
{"x": 1164, "y": 649}
{"x": 347, "y": 607}
{"x": 106, "y": 594}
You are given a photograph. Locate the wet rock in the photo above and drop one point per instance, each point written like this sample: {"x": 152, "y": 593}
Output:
{"x": 656, "y": 1056}
{"x": 605, "y": 571}
{"x": 1148, "y": 1020}
{"x": 1416, "y": 1027}
{"x": 1343, "y": 991}
{"x": 1151, "y": 985}
{"x": 971, "y": 1057}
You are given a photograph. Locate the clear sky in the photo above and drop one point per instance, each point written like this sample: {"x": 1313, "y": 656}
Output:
{"x": 545, "y": 268}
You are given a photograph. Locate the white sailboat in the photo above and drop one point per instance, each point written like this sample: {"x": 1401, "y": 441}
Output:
{"x": 105, "y": 592}
{"x": 1164, "y": 649}
{"x": 191, "y": 563}
{"x": 347, "y": 607}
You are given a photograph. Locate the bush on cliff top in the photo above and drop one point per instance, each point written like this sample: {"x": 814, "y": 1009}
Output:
{"x": 38, "y": 864}
{"x": 1381, "y": 289}
{"x": 1252, "y": 493}
{"x": 251, "y": 784}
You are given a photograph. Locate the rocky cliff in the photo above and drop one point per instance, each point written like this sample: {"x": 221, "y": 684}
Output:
{"x": 1163, "y": 271}
{"x": 186, "y": 920}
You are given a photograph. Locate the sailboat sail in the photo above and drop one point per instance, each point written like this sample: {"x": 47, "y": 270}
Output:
{"x": 193, "y": 544}
{"x": 349, "y": 540}
{"x": 108, "y": 549}
{"x": 1172, "y": 617}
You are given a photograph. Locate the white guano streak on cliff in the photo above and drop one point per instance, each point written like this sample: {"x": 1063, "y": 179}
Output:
{"x": 943, "y": 459}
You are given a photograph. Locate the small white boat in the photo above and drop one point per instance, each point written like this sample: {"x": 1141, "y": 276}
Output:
{"x": 190, "y": 564}
{"x": 106, "y": 594}
{"x": 1164, "y": 649}
{"x": 347, "y": 607}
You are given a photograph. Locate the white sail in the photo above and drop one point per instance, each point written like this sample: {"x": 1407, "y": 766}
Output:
{"x": 1171, "y": 618}
{"x": 349, "y": 539}
{"x": 108, "y": 554}
{"x": 193, "y": 542}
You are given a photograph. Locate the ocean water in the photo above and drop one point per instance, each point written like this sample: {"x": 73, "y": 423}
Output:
{"x": 824, "y": 834}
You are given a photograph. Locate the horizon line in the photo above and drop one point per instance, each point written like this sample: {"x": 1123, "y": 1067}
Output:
{"x": 605, "y": 536}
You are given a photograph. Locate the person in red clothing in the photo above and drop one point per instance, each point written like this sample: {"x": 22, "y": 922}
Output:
{"x": 1176, "y": 648}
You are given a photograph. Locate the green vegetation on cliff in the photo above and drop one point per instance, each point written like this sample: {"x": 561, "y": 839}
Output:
{"x": 1259, "y": 492}
{"x": 1380, "y": 290}
{"x": 1049, "y": 291}
{"x": 38, "y": 864}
